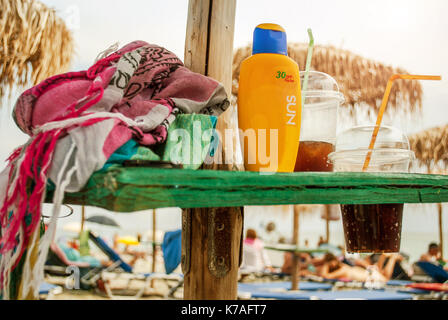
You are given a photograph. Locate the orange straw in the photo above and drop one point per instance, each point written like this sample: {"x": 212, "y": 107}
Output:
{"x": 383, "y": 108}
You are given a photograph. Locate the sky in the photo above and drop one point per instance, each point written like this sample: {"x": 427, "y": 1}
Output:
{"x": 411, "y": 34}
{"x": 403, "y": 33}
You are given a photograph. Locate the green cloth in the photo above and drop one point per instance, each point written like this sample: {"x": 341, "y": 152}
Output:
{"x": 188, "y": 142}
{"x": 189, "y": 139}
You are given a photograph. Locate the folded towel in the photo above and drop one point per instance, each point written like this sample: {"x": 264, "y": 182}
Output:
{"x": 76, "y": 122}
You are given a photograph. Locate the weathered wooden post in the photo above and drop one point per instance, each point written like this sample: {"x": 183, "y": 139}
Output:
{"x": 440, "y": 210}
{"x": 154, "y": 244}
{"x": 211, "y": 237}
{"x": 295, "y": 256}
{"x": 327, "y": 223}
{"x": 83, "y": 220}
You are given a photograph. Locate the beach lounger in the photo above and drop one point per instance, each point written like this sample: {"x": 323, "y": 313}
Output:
{"x": 399, "y": 283}
{"x": 361, "y": 295}
{"x": 437, "y": 287}
{"x": 332, "y": 295}
{"x": 126, "y": 268}
{"x": 427, "y": 291}
{"x": 286, "y": 285}
{"x": 58, "y": 264}
{"x": 435, "y": 272}
{"x": 47, "y": 289}
{"x": 345, "y": 283}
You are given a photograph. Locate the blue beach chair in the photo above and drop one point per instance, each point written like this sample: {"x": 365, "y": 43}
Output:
{"x": 361, "y": 295}
{"x": 284, "y": 285}
{"x": 171, "y": 248}
{"x": 434, "y": 271}
{"x": 119, "y": 262}
{"x": 333, "y": 295}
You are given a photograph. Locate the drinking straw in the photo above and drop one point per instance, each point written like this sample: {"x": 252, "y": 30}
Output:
{"x": 308, "y": 64}
{"x": 383, "y": 108}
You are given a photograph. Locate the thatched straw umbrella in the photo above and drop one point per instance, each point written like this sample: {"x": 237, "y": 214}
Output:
{"x": 431, "y": 150}
{"x": 362, "y": 81}
{"x": 35, "y": 44}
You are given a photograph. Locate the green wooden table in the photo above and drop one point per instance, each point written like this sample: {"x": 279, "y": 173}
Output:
{"x": 131, "y": 189}
{"x": 294, "y": 249}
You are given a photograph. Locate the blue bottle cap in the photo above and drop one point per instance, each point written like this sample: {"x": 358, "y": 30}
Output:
{"x": 269, "y": 38}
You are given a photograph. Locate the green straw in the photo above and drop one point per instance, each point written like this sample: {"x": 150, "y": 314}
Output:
{"x": 308, "y": 64}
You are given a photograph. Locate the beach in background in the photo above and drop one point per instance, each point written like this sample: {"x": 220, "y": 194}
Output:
{"x": 420, "y": 226}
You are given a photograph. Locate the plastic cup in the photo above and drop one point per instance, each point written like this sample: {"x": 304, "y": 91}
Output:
{"x": 319, "y": 120}
{"x": 372, "y": 228}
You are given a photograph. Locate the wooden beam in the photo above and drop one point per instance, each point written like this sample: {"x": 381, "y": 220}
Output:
{"x": 211, "y": 255}
{"x": 295, "y": 257}
{"x": 196, "y": 39}
{"x": 132, "y": 189}
{"x": 154, "y": 243}
{"x": 327, "y": 223}
{"x": 83, "y": 219}
{"x": 440, "y": 210}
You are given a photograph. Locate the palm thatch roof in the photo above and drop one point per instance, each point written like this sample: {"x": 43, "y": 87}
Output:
{"x": 431, "y": 148}
{"x": 362, "y": 81}
{"x": 35, "y": 43}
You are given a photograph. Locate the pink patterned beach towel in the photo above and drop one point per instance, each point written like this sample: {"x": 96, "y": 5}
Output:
{"x": 75, "y": 122}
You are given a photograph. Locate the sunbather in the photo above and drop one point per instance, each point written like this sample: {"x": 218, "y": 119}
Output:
{"x": 381, "y": 260}
{"x": 434, "y": 255}
{"x": 71, "y": 257}
{"x": 305, "y": 266}
{"x": 335, "y": 269}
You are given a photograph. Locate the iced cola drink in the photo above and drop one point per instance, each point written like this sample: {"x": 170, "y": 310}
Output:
{"x": 313, "y": 156}
{"x": 319, "y": 121}
{"x": 372, "y": 228}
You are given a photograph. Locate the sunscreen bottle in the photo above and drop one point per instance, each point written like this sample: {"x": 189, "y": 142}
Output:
{"x": 269, "y": 103}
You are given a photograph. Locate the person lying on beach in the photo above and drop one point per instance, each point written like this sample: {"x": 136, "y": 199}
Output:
{"x": 71, "y": 257}
{"x": 335, "y": 269}
{"x": 305, "y": 267}
{"x": 381, "y": 259}
{"x": 434, "y": 255}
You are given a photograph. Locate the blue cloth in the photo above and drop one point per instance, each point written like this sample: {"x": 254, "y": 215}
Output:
{"x": 436, "y": 272}
{"x": 413, "y": 291}
{"x": 305, "y": 286}
{"x": 171, "y": 248}
{"x": 46, "y": 287}
{"x": 399, "y": 282}
{"x": 333, "y": 295}
{"x": 125, "y": 152}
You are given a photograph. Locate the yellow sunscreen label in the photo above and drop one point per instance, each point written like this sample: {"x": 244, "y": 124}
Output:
{"x": 269, "y": 112}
